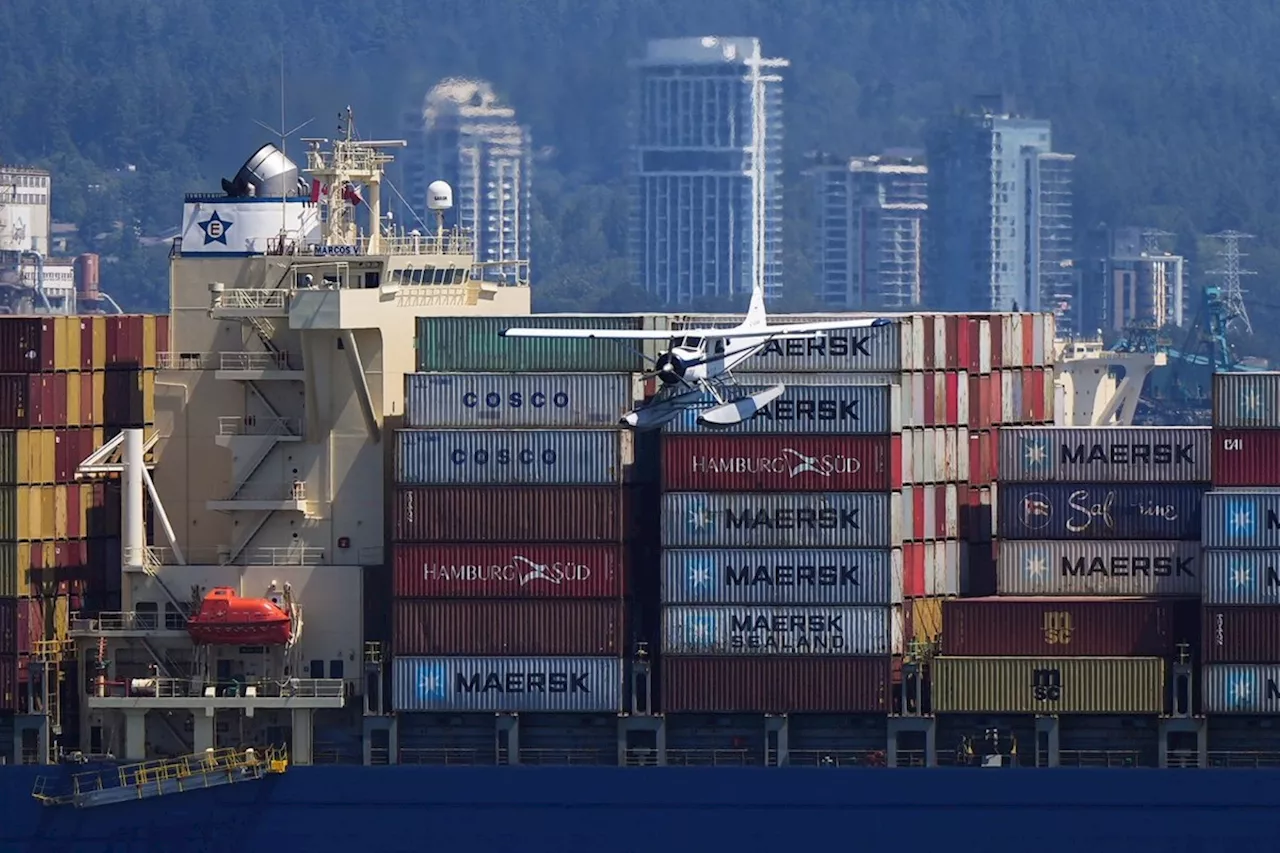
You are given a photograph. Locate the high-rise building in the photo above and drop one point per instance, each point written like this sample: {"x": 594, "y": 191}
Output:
{"x": 869, "y": 253}
{"x": 1000, "y": 234}
{"x": 1132, "y": 281}
{"x": 464, "y": 135}
{"x": 706, "y": 181}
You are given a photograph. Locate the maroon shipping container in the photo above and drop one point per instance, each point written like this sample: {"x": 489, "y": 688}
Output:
{"x": 738, "y": 463}
{"x": 1066, "y": 627}
{"x": 24, "y": 346}
{"x": 1241, "y": 635}
{"x": 775, "y": 685}
{"x": 509, "y": 514}
{"x": 508, "y": 571}
{"x": 506, "y": 628}
{"x": 1245, "y": 457}
{"x": 9, "y": 628}
{"x": 162, "y": 333}
{"x": 124, "y": 341}
{"x": 8, "y": 683}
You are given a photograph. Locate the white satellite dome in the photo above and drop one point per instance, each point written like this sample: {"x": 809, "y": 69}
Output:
{"x": 439, "y": 196}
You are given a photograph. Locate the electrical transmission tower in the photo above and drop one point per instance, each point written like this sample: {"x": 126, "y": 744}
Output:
{"x": 1151, "y": 238}
{"x": 1232, "y": 293}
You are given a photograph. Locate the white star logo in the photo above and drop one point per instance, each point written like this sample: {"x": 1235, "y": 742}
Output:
{"x": 1251, "y": 402}
{"x": 1241, "y": 519}
{"x": 1037, "y": 566}
{"x": 1241, "y": 576}
{"x": 1036, "y": 453}
{"x": 1241, "y": 691}
{"x": 700, "y": 575}
{"x": 700, "y": 518}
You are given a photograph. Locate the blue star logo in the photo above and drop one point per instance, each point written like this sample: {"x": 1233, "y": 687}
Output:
{"x": 1035, "y": 452}
{"x": 1250, "y": 406}
{"x": 700, "y": 571}
{"x": 1242, "y": 690}
{"x": 434, "y": 683}
{"x": 700, "y": 631}
{"x": 215, "y": 229}
{"x": 700, "y": 517}
{"x": 1240, "y": 518}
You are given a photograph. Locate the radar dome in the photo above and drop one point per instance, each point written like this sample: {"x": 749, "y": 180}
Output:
{"x": 439, "y": 196}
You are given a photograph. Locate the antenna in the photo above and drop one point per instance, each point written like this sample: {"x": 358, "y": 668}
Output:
{"x": 284, "y": 136}
{"x": 1232, "y": 293}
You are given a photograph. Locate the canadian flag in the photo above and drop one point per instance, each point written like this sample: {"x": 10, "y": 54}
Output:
{"x": 350, "y": 192}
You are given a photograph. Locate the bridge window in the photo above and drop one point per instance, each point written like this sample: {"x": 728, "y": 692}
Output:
{"x": 317, "y": 669}
{"x": 335, "y": 668}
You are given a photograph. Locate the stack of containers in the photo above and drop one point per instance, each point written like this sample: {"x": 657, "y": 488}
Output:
{"x": 67, "y": 384}
{"x": 1096, "y": 559}
{"x": 781, "y": 538}
{"x": 1241, "y": 537}
{"x": 508, "y": 555}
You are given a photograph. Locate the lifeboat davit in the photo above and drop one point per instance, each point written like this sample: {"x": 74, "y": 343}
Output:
{"x": 227, "y": 619}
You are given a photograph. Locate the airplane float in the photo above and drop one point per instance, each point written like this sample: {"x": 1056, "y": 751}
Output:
{"x": 700, "y": 362}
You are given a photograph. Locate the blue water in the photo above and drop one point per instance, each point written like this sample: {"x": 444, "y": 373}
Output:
{"x": 671, "y": 810}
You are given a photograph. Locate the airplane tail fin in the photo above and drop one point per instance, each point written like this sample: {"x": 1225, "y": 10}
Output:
{"x": 756, "y": 315}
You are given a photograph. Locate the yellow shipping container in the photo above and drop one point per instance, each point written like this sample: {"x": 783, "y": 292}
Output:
{"x": 37, "y": 456}
{"x": 66, "y": 343}
{"x": 989, "y": 685}
{"x": 99, "y": 360}
{"x": 74, "y": 413}
{"x": 60, "y": 514}
{"x": 38, "y": 556}
{"x": 99, "y": 398}
{"x": 61, "y": 615}
{"x": 926, "y": 620}
{"x": 149, "y": 341}
{"x": 37, "y": 513}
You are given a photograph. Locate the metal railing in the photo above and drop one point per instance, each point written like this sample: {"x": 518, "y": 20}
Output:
{"x": 1238, "y": 758}
{"x": 1100, "y": 758}
{"x": 253, "y": 425}
{"x": 251, "y": 299}
{"x": 185, "y": 360}
{"x": 253, "y": 361}
{"x": 132, "y": 620}
{"x": 449, "y": 756}
{"x": 196, "y": 688}
{"x": 154, "y": 556}
{"x": 836, "y": 758}
{"x": 295, "y": 491}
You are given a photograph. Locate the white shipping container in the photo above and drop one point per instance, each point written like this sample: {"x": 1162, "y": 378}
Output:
{"x": 1099, "y": 567}
{"x": 935, "y": 455}
{"x": 491, "y": 457}
{"x": 1241, "y": 688}
{"x": 945, "y": 568}
{"x": 984, "y": 346}
{"x": 781, "y": 520}
{"x": 467, "y": 400}
{"x": 930, "y": 512}
{"x": 1242, "y": 578}
{"x": 778, "y": 576}
{"x": 489, "y": 685}
{"x": 1011, "y": 340}
{"x": 775, "y": 630}
{"x": 1105, "y": 454}
{"x": 898, "y": 627}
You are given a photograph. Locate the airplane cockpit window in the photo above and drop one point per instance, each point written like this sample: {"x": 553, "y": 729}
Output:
{"x": 691, "y": 343}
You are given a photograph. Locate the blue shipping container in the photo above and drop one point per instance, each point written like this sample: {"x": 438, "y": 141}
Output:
{"x": 1244, "y": 519}
{"x": 792, "y": 576}
{"x": 810, "y": 409}
{"x": 490, "y": 457}
{"x": 1241, "y": 688}
{"x": 781, "y": 520}
{"x": 558, "y": 684}
{"x": 465, "y": 400}
{"x": 1241, "y": 577}
{"x": 1098, "y": 511}
{"x": 857, "y": 631}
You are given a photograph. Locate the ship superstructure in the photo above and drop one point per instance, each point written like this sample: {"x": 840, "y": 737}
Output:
{"x": 293, "y": 305}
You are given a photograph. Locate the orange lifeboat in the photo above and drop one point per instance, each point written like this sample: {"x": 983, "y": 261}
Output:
{"x": 227, "y": 619}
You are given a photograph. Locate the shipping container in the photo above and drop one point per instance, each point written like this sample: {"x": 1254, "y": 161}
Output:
{"x": 491, "y": 457}
{"x": 8, "y": 684}
{"x": 793, "y": 576}
{"x": 1059, "y": 627}
{"x": 1241, "y": 577}
{"x": 1104, "y": 455}
{"x": 1098, "y": 511}
{"x": 30, "y": 626}
{"x": 1241, "y": 634}
{"x": 9, "y": 623}
{"x": 1246, "y": 457}
{"x": 869, "y": 349}
{"x": 739, "y": 463}
{"x": 738, "y": 630}
{"x": 1241, "y": 519}
{"x": 24, "y": 345}
{"x": 1246, "y": 400}
{"x": 508, "y": 514}
{"x": 934, "y": 455}
{"x": 473, "y": 344}
{"x": 1166, "y": 568}
{"x": 775, "y": 685}
{"x": 811, "y": 409}
{"x": 129, "y": 398}
{"x": 510, "y": 684}
{"x": 930, "y": 512}
{"x": 500, "y": 628}
{"x": 508, "y": 571}
{"x": 1046, "y": 685}
{"x": 501, "y": 400}
{"x": 935, "y": 568}
{"x": 1240, "y": 688}
{"x": 781, "y": 520}
{"x": 922, "y": 621}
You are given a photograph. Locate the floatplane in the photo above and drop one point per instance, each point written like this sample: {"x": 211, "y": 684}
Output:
{"x": 700, "y": 362}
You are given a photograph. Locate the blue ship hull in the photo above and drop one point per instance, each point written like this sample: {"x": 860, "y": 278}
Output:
{"x": 668, "y": 810}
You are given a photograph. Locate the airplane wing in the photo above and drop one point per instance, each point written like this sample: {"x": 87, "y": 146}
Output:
{"x": 795, "y": 330}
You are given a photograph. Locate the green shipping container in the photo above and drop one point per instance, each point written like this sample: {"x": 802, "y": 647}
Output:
{"x": 8, "y": 570}
{"x": 8, "y": 456}
{"x": 1094, "y": 685}
{"x": 472, "y": 344}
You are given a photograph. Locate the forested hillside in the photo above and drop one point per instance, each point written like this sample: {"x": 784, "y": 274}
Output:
{"x": 1170, "y": 105}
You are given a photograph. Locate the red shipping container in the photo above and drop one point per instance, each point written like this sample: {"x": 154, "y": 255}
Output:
{"x": 1064, "y": 627}
{"x": 738, "y": 463}
{"x": 90, "y": 405}
{"x": 1241, "y": 634}
{"x": 775, "y": 685}
{"x": 997, "y": 341}
{"x": 508, "y": 571}
{"x": 8, "y": 683}
{"x": 30, "y": 626}
{"x": 162, "y": 333}
{"x": 125, "y": 341}
{"x": 1245, "y": 457}
{"x": 73, "y": 512}
{"x": 508, "y": 514}
{"x": 9, "y": 626}
{"x": 927, "y": 356}
{"x": 507, "y": 628}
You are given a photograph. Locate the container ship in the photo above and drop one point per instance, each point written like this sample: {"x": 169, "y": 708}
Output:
{"x": 320, "y": 558}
